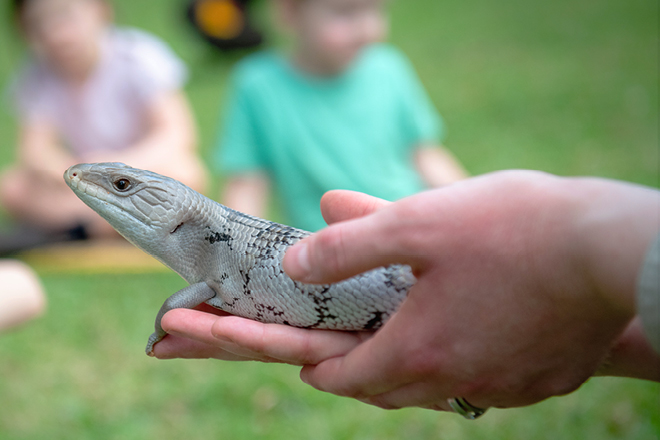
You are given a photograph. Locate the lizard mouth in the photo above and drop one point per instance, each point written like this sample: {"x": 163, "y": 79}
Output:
{"x": 73, "y": 178}
{"x": 142, "y": 201}
{"x": 94, "y": 195}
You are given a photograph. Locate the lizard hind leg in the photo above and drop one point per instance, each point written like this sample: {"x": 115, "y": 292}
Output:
{"x": 186, "y": 298}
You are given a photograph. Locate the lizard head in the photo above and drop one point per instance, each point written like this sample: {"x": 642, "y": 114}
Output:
{"x": 144, "y": 207}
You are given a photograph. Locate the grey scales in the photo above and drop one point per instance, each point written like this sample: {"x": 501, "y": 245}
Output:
{"x": 232, "y": 261}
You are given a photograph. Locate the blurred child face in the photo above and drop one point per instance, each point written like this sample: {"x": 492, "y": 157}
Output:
{"x": 331, "y": 33}
{"x": 66, "y": 33}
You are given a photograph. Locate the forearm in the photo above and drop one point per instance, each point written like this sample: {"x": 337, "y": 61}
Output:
{"x": 632, "y": 356}
{"x": 616, "y": 225}
{"x": 247, "y": 193}
{"x": 611, "y": 226}
{"x": 437, "y": 166}
{"x": 40, "y": 151}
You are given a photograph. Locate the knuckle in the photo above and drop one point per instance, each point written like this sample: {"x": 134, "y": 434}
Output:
{"x": 260, "y": 342}
{"x": 325, "y": 379}
{"x": 307, "y": 354}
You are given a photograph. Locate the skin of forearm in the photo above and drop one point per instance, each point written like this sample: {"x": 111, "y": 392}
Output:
{"x": 247, "y": 193}
{"x": 614, "y": 228}
{"x": 632, "y": 356}
{"x": 437, "y": 166}
{"x": 39, "y": 150}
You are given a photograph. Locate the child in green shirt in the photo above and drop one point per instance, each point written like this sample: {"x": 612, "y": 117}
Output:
{"x": 341, "y": 111}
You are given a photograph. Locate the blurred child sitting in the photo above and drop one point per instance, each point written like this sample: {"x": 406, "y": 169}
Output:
{"x": 91, "y": 93}
{"x": 338, "y": 112}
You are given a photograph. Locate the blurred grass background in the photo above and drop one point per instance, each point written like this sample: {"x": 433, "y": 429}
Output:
{"x": 569, "y": 87}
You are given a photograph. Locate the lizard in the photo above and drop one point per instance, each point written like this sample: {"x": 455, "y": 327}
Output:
{"x": 231, "y": 260}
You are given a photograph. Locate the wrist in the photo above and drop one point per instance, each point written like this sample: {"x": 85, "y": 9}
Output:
{"x": 613, "y": 225}
{"x": 632, "y": 356}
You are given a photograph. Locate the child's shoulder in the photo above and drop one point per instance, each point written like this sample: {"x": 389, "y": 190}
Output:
{"x": 259, "y": 67}
{"x": 143, "y": 57}
{"x": 385, "y": 55}
{"x": 138, "y": 44}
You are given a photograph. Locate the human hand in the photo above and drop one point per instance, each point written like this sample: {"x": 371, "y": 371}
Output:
{"x": 632, "y": 356}
{"x": 507, "y": 310}
{"x": 209, "y": 333}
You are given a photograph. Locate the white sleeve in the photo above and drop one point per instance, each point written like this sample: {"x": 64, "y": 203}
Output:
{"x": 31, "y": 95}
{"x": 156, "y": 68}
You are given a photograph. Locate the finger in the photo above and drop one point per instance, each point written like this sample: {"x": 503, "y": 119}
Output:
{"x": 192, "y": 324}
{"x": 196, "y": 327}
{"x": 344, "y": 377}
{"x": 374, "y": 367}
{"x": 419, "y": 394}
{"x": 284, "y": 343}
{"x": 352, "y": 247}
{"x": 342, "y": 205}
{"x": 178, "y": 347}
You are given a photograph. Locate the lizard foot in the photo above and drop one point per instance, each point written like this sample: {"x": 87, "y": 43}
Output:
{"x": 153, "y": 340}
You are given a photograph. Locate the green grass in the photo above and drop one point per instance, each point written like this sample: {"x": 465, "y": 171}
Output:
{"x": 80, "y": 372}
{"x": 569, "y": 86}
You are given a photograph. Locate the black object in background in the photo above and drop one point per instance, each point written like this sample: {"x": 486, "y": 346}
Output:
{"x": 224, "y": 23}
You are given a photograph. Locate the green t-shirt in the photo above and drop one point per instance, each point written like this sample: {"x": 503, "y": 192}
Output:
{"x": 355, "y": 131}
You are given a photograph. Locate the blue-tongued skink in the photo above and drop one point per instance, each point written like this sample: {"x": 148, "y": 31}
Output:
{"x": 232, "y": 261}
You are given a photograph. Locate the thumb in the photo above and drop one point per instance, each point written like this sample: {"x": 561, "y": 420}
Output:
{"x": 342, "y": 205}
{"x": 348, "y": 248}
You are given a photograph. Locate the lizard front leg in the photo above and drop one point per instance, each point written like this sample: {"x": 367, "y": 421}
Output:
{"x": 186, "y": 298}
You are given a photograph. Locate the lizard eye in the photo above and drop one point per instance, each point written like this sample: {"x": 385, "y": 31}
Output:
{"x": 122, "y": 184}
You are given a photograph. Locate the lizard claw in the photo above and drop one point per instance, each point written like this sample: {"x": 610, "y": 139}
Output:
{"x": 153, "y": 340}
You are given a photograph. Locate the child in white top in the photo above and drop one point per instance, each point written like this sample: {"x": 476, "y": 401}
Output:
{"x": 92, "y": 93}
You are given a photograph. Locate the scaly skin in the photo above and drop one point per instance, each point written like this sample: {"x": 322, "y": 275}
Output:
{"x": 232, "y": 261}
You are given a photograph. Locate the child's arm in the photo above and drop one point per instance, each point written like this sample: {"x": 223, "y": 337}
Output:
{"x": 437, "y": 166}
{"x": 247, "y": 193}
{"x": 39, "y": 150}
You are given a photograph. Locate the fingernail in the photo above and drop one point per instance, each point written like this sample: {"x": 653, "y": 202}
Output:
{"x": 303, "y": 259}
{"x": 298, "y": 257}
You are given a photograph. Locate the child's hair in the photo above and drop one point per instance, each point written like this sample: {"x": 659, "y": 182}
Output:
{"x": 17, "y": 9}
{"x": 18, "y": 6}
